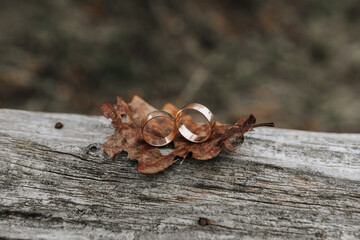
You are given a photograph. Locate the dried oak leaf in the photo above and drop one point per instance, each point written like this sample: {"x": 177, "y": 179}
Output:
{"x": 127, "y": 119}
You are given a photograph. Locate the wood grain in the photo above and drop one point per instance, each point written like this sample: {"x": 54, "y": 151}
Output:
{"x": 281, "y": 184}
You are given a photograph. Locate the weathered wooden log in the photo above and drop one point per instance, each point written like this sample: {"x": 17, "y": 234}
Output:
{"x": 281, "y": 184}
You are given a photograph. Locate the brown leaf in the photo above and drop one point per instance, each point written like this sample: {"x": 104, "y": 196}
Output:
{"x": 127, "y": 119}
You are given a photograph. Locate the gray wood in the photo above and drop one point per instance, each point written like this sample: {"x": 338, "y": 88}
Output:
{"x": 281, "y": 184}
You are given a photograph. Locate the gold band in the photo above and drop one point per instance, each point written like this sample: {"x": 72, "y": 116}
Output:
{"x": 186, "y": 132}
{"x": 164, "y": 140}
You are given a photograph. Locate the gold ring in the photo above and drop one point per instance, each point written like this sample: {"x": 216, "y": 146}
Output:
{"x": 160, "y": 133}
{"x": 188, "y": 131}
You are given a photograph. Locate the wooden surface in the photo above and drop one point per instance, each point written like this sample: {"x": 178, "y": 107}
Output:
{"x": 281, "y": 184}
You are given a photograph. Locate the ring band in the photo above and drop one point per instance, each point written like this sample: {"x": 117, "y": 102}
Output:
{"x": 186, "y": 132}
{"x": 162, "y": 141}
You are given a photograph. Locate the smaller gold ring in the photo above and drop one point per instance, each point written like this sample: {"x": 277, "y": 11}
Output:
{"x": 187, "y": 133}
{"x": 163, "y": 140}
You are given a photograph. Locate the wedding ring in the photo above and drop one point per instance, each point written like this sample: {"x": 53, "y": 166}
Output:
{"x": 158, "y": 128}
{"x": 191, "y": 131}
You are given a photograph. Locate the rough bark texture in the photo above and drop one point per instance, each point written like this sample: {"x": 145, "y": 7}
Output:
{"x": 281, "y": 184}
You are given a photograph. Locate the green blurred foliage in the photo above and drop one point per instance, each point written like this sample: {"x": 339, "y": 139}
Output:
{"x": 294, "y": 63}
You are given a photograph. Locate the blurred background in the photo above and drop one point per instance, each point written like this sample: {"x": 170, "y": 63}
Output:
{"x": 294, "y": 63}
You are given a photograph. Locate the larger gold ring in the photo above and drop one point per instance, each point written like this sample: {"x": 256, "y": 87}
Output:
{"x": 156, "y": 137}
{"x": 188, "y": 132}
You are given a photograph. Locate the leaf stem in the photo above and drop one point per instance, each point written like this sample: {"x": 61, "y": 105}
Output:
{"x": 264, "y": 125}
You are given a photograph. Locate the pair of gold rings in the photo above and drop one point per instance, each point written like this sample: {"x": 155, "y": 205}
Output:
{"x": 163, "y": 131}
